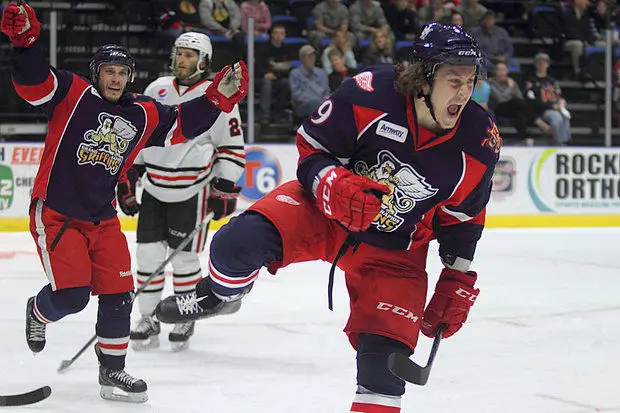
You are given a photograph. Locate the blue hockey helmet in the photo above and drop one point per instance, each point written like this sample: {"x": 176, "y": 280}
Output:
{"x": 441, "y": 44}
{"x": 112, "y": 54}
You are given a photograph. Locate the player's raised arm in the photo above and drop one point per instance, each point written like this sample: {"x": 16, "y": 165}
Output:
{"x": 34, "y": 79}
{"x": 177, "y": 124}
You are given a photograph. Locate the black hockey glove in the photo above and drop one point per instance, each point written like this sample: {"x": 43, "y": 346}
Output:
{"x": 126, "y": 190}
{"x": 223, "y": 197}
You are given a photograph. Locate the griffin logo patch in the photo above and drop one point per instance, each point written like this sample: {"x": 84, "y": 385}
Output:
{"x": 493, "y": 141}
{"x": 106, "y": 145}
{"x": 407, "y": 187}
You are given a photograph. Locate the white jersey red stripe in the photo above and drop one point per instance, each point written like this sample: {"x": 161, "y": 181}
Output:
{"x": 179, "y": 172}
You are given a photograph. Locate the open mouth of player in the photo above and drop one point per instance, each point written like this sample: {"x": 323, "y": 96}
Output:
{"x": 114, "y": 89}
{"x": 454, "y": 110}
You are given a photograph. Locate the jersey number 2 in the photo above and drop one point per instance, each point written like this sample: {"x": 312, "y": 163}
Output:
{"x": 234, "y": 129}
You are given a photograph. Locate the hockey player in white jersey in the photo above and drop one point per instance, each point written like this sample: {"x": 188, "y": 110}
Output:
{"x": 182, "y": 184}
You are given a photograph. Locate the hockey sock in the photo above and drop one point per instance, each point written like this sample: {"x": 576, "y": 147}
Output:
{"x": 151, "y": 295}
{"x": 50, "y": 306}
{"x": 113, "y": 329}
{"x": 187, "y": 272}
{"x": 235, "y": 258}
{"x": 378, "y": 389}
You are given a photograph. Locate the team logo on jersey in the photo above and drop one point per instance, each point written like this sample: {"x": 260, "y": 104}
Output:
{"x": 407, "y": 187}
{"x": 364, "y": 81}
{"x": 493, "y": 141}
{"x": 106, "y": 145}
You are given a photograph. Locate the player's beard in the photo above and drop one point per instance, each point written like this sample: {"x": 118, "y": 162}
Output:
{"x": 185, "y": 73}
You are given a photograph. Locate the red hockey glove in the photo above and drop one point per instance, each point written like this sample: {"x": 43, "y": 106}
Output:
{"x": 454, "y": 295}
{"x": 352, "y": 200}
{"x": 126, "y": 191}
{"x": 20, "y": 24}
{"x": 223, "y": 198}
{"x": 229, "y": 87}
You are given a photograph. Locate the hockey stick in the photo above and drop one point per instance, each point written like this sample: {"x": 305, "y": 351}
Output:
{"x": 65, "y": 364}
{"x": 401, "y": 366}
{"x": 23, "y": 399}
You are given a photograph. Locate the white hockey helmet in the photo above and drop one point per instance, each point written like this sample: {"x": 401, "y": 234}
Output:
{"x": 196, "y": 41}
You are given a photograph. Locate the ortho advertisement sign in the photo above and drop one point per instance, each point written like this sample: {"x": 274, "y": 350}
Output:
{"x": 526, "y": 180}
{"x": 18, "y": 167}
{"x": 575, "y": 181}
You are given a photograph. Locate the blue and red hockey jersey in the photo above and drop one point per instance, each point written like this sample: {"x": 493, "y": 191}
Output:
{"x": 440, "y": 184}
{"x": 91, "y": 142}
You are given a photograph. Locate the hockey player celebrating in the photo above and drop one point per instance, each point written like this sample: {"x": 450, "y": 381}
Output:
{"x": 95, "y": 130}
{"x": 182, "y": 183}
{"x": 394, "y": 158}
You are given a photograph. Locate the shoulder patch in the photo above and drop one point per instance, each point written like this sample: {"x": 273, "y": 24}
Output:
{"x": 364, "y": 81}
{"x": 493, "y": 140}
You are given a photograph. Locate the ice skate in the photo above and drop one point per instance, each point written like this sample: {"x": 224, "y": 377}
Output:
{"x": 180, "y": 334}
{"x": 197, "y": 305}
{"x": 35, "y": 330}
{"x": 118, "y": 385}
{"x": 145, "y": 335}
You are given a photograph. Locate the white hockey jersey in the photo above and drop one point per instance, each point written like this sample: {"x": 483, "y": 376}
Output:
{"x": 176, "y": 173}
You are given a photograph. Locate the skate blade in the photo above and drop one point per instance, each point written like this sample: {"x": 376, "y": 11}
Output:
{"x": 145, "y": 345}
{"x": 177, "y": 346}
{"x": 107, "y": 392}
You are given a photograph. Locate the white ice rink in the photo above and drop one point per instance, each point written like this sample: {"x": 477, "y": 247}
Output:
{"x": 544, "y": 337}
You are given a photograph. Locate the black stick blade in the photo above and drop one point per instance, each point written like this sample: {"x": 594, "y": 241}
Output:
{"x": 402, "y": 367}
{"x": 23, "y": 399}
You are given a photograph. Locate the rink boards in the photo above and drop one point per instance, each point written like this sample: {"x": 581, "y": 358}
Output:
{"x": 532, "y": 187}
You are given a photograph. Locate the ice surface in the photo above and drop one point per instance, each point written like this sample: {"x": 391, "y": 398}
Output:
{"x": 544, "y": 337}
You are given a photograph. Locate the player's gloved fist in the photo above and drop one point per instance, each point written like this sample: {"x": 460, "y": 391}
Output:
{"x": 454, "y": 295}
{"x": 223, "y": 198}
{"x": 352, "y": 200}
{"x": 20, "y": 24}
{"x": 229, "y": 87}
{"x": 126, "y": 191}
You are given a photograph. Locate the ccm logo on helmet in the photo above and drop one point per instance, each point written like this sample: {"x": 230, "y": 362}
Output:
{"x": 398, "y": 311}
{"x": 467, "y": 52}
{"x": 466, "y": 294}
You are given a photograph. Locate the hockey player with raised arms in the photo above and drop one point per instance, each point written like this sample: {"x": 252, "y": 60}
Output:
{"x": 95, "y": 130}
{"x": 183, "y": 183}
{"x": 393, "y": 158}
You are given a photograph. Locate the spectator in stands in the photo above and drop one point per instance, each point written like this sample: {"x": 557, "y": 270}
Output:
{"x": 481, "y": 93}
{"x": 309, "y": 84}
{"x": 544, "y": 97}
{"x": 328, "y": 18}
{"x": 506, "y": 100}
{"x": 456, "y": 18}
{"x": 402, "y": 19}
{"x": 494, "y": 41}
{"x": 435, "y": 11}
{"x": 367, "y": 18}
{"x": 579, "y": 31}
{"x": 341, "y": 43}
{"x": 223, "y": 18}
{"x": 472, "y": 13}
{"x": 380, "y": 50}
{"x": 179, "y": 16}
{"x": 259, "y": 11}
{"x": 273, "y": 63}
{"x": 340, "y": 70}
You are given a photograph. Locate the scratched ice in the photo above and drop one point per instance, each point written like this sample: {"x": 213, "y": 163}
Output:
{"x": 543, "y": 338}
